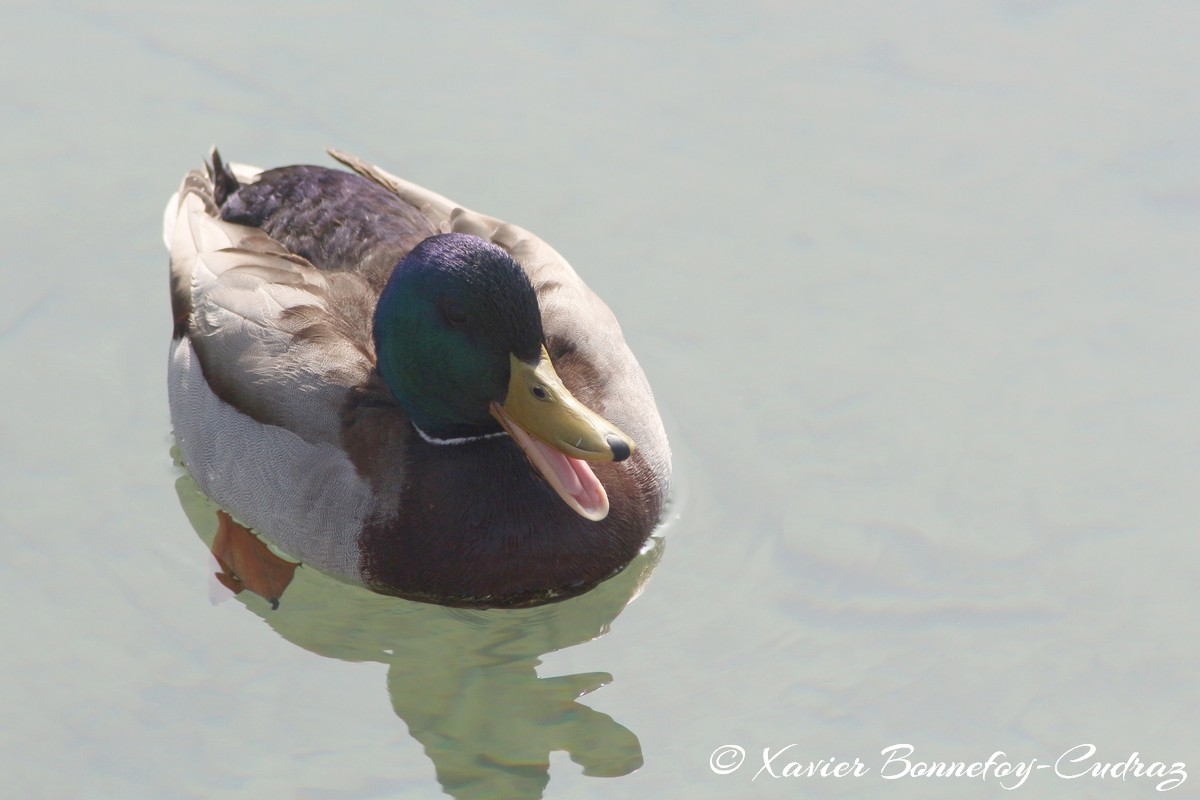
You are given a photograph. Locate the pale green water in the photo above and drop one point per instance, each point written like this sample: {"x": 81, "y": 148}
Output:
{"x": 917, "y": 289}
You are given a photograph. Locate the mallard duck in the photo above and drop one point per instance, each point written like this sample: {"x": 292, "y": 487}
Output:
{"x": 403, "y": 393}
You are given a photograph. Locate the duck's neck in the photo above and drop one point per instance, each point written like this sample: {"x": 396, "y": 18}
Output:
{"x": 457, "y": 440}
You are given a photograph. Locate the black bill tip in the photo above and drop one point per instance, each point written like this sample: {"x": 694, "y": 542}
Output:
{"x": 620, "y": 448}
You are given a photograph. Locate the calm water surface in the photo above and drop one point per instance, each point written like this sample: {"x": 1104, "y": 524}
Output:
{"x": 917, "y": 292}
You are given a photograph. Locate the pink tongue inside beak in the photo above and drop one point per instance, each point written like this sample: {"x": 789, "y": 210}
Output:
{"x": 570, "y": 477}
{"x": 576, "y": 478}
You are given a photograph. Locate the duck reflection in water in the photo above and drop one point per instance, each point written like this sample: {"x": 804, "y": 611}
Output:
{"x": 465, "y": 682}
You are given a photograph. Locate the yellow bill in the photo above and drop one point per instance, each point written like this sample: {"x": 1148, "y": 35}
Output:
{"x": 560, "y": 435}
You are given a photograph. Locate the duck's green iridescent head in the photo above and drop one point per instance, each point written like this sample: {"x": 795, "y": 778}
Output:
{"x": 459, "y": 342}
{"x": 453, "y": 311}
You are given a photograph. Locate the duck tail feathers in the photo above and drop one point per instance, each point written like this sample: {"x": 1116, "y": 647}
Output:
{"x": 225, "y": 183}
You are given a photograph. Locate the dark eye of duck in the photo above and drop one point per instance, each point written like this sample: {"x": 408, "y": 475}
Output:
{"x": 454, "y": 313}
{"x": 539, "y": 392}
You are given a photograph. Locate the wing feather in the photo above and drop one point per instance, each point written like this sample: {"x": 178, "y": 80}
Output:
{"x": 276, "y": 338}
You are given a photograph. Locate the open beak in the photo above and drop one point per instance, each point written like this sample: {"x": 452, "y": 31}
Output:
{"x": 560, "y": 435}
